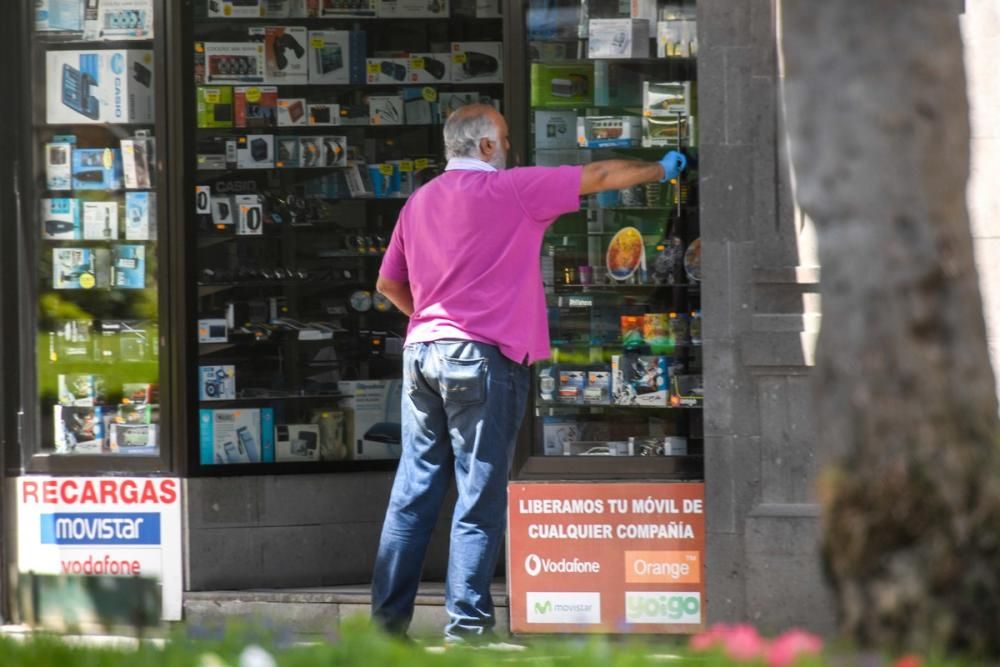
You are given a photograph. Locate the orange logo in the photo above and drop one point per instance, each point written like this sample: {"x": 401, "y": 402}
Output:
{"x": 662, "y": 567}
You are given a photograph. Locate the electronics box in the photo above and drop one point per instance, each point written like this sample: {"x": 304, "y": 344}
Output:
{"x": 429, "y": 68}
{"x": 233, "y": 9}
{"x": 217, "y": 383}
{"x": 133, "y": 439}
{"x": 58, "y": 15}
{"x": 558, "y": 433}
{"x": 255, "y": 151}
{"x": 449, "y": 102}
{"x": 100, "y": 220}
{"x": 607, "y": 131}
{"x": 97, "y": 169}
{"x": 334, "y": 151}
{"x": 234, "y": 62}
{"x": 100, "y": 86}
{"x": 283, "y": 9}
{"x": 337, "y": 56}
{"x": 285, "y": 54}
{"x": 477, "y": 62}
{"x": 385, "y": 110}
{"x": 386, "y": 70}
{"x": 412, "y": 8}
{"x": 640, "y": 380}
{"x": 555, "y": 129}
{"x": 215, "y": 153}
{"x": 323, "y": 114}
{"x": 286, "y": 152}
{"x": 121, "y": 20}
{"x": 677, "y": 38}
{"x": 561, "y": 85}
{"x": 245, "y": 435}
{"x": 215, "y": 106}
{"x": 292, "y": 111}
{"x": 60, "y": 219}
{"x": 79, "y": 430}
{"x": 374, "y": 413}
{"x": 79, "y": 389}
{"x": 255, "y": 106}
{"x": 335, "y": 443}
{"x": 618, "y": 38}
{"x": 488, "y": 9}
{"x": 58, "y": 163}
{"x": 310, "y": 151}
{"x": 250, "y": 215}
{"x": 666, "y": 98}
{"x": 138, "y": 161}
{"x": 213, "y": 331}
{"x": 385, "y": 179}
{"x": 140, "y": 216}
{"x": 79, "y": 268}
{"x": 128, "y": 266}
{"x": 296, "y": 442}
{"x": 334, "y": 8}
{"x": 572, "y": 383}
{"x": 644, "y": 9}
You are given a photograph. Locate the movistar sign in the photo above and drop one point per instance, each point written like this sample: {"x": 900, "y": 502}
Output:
{"x": 564, "y": 608}
{"x": 101, "y": 528}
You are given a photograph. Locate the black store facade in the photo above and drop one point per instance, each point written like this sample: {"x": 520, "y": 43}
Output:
{"x": 195, "y": 199}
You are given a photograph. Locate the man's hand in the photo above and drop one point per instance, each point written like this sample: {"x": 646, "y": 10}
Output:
{"x": 397, "y": 292}
{"x": 673, "y": 164}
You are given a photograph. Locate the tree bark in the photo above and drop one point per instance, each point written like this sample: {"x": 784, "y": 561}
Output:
{"x": 877, "y": 113}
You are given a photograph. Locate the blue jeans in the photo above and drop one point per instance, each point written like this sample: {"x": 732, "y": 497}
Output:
{"x": 463, "y": 403}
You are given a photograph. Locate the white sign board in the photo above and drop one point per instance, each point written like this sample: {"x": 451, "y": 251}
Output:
{"x": 121, "y": 526}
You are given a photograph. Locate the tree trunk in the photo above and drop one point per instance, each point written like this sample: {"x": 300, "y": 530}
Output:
{"x": 879, "y": 135}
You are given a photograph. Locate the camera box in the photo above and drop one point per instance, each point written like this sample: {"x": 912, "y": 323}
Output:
{"x": 323, "y": 114}
{"x": 79, "y": 430}
{"x": 608, "y": 131}
{"x": 412, "y": 8}
{"x": 555, "y": 129}
{"x": 234, "y": 62}
{"x": 60, "y": 218}
{"x": 120, "y": 20}
{"x": 140, "y": 216}
{"x": 100, "y": 220}
{"x": 217, "y": 383}
{"x": 618, "y": 38}
{"x": 335, "y": 8}
{"x": 255, "y": 151}
{"x": 237, "y": 9}
{"x": 337, "y": 56}
{"x": 640, "y": 380}
{"x": 386, "y": 70}
{"x": 79, "y": 268}
{"x": 79, "y": 389}
{"x": 374, "y": 414}
{"x": 58, "y": 15}
{"x": 128, "y": 266}
{"x": 58, "y": 163}
{"x": 292, "y": 111}
{"x": 285, "y": 51}
{"x": 477, "y": 62}
{"x": 245, "y": 435}
{"x": 138, "y": 161}
{"x": 215, "y": 106}
{"x": 385, "y": 110}
{"x": 429, "y": 68}
{"x": 677, "y": 38}
{"x": 97, "y": 169}
{"x": 296, "y": 442}
{"x": 213, "y": 330}
{"x": 561, "y": 85}
{"x": 99, "y": 86}
{"x": 255, "y": 106}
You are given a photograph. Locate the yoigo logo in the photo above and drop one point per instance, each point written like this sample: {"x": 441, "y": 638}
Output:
{"x": 662, "y": 607}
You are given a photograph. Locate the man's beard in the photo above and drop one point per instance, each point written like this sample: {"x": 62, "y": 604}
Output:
{"x": 499, "y": 159}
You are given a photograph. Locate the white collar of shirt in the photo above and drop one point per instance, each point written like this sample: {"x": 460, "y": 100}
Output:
{"x": 468, "y": 164}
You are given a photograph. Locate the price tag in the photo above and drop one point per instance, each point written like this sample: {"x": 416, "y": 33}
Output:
{"x": 416, "y": 63}
{"x": 212, "y": 95}
{"x": 385, "y": 169}
{"x": 429, "y": 94}
{"x": 421, "y": 163}
{"x": 87, "y": 281}
{"x": 459, "y": 58}
{"x": 374, "y": 68}
{"x": 317, "y": 42}
{"x": 109, "y": 158}
{"x": 253, "y": 95}
{"x": 406, "y": 165}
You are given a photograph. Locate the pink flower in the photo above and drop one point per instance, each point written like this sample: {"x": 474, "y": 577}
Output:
{"x": 908, "y": 661}
{"x": 740, "y": 642}
{"x": 708, "y": 639}
{"x": 784, "y": 650}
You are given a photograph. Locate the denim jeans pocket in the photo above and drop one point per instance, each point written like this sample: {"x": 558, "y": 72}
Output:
{"x": 463, "y": 381}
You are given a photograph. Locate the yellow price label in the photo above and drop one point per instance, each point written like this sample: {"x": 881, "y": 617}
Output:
{"x": 385, "y": 169}
{"x": 87, "y": 281}
{"x": 416, "y": 63}
{"x": 421, "y": 163}
{"x": 406, "y": 165}
{"x": 429, "y": 94}
{"x": 253, "y": 95}
{"x": 317, "y": 42}
{"x": 459, "y": 58}
{"x": 213, "y": 95}
{"x": 109, "y": 158}
{"x": 374, "y": 68}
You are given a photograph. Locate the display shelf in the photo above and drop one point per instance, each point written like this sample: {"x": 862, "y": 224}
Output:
{"x": 551, "y": 409}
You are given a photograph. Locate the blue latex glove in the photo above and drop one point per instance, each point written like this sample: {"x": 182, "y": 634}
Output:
{"x": 673, "y": 164}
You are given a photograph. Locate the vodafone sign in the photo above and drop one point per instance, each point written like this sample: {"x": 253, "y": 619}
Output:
{"x": 120, "y": 526}
{"x": 606, "y": 557}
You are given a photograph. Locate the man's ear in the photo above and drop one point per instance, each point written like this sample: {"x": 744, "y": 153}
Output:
{"x": 484, "y": 146}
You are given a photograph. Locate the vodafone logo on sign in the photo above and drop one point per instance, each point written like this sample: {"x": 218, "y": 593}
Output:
{"x": 535, "y": 565}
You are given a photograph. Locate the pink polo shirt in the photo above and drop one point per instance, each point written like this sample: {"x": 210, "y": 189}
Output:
{"x": 469, "y": 244}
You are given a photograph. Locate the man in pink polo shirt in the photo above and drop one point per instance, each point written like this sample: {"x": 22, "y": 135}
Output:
{"x": 463, "y": 263}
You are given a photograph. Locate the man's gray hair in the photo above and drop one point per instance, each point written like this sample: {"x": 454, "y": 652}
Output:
{"x": 462, "y": 133}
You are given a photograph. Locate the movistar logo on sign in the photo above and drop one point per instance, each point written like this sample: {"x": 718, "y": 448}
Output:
{"x": 101, "y": 528}
{"x": 662, "y": 608}
{"x": 535, "y": 565}
{"x": 564, "y": 608}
